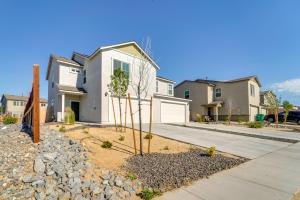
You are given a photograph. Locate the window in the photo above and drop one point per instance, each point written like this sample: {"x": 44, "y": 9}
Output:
{"x": 84, "y": 76}
{"x": 52, "y": 82}
{"x": 218, "y": 92}
{"x": 15, "y": 103}
{"x": 156, "y": 86}
{"x": 187, "y": 94}
{"x": 122, "y": 65}
{"x": 43, "y": 105}
{"x": 252, "y": 90}
{"x": 170, "y": 89}
{"x": 21, "y": 103}
{"x": 75, "y": 71}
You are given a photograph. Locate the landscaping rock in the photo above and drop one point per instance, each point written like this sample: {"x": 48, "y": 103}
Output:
{"x": 168, "y": 171}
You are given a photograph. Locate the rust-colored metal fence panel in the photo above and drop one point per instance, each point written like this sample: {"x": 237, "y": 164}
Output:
{"x": 31, "y": 116}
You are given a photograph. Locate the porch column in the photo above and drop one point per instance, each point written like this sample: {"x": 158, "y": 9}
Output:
{"x": 62, "y": 107}
{"x": 216, "y": 113}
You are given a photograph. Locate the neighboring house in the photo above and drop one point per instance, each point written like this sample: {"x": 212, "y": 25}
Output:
{"x": 82, "y": 84}
{"x": 217, "y": 98}
{"x": 264, "y": 102}
{"x": 15, "y": 105}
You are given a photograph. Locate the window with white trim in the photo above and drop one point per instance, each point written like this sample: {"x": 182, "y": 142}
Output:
{"x": 187, "y": 94}
{"x": 252, "y": 90}
{"x": 122, "y": 65}
{"x": 84, "y": 76}
{"x": 218, "y": 92}
{"x": 74, "y": 70}
{"x": 170, "y": 89}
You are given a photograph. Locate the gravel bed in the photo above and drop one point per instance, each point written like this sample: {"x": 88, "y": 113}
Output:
{"x": 168, "y": 171}
{"x": 57, "y": 168}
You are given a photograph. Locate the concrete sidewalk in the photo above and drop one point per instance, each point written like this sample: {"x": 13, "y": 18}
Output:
{"x": 243, "y": 146}
{"x": 252, "y": 131}
{"x": 274, "y": 176}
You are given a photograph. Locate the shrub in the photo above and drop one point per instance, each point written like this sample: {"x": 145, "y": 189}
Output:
{"x": 166, "y": 148}
{"x": 122, "y": 138}
{"x": 9, "y": 120}
{"x": 148, "y": 136}
{"x": 255, "y": 124}
{"x": 148, "y": 194}
{"x": 62, "y": 129}
{"x": 106, "y": 145}
{"x": 199, "y": 118}
{"x": 240, "y": 120}
{"x": 131, "y": 176}
{"x": 297, "y": 129}
{"x": 69, "y": 116}
{"x": 211, "y": 151}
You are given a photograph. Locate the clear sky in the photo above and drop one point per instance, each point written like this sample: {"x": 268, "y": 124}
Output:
{"x": 190, "y": 39}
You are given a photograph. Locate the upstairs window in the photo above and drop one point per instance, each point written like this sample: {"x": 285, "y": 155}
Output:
{"x": 84, "y": 76}
{"x": 156, "y": 86}
{"x": 218, "y": 92}
{"x": 252, "y": 90}
{"x": 187, "y": 94}
{"x": 75, "y": 70}
{"x": 170, "y": 89}
{"x": 121, "y": 65}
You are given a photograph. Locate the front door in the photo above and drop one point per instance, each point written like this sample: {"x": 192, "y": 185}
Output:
{"x": 75, "y": 108}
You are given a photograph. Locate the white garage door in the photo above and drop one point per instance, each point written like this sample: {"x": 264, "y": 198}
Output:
{"x": 172, "y": 113}
{"x": 253, "y": 113}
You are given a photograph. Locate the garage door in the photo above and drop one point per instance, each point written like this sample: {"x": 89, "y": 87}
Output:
{"x": 253, "y": 113}
{"x": 172, "y": 113}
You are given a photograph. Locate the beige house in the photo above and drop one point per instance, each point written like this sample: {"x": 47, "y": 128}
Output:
{"x": 81, "y": 82}
{"x": 264, "y": 102}
{"x": 15, "y": 105}
{"x": 217, "y": 99}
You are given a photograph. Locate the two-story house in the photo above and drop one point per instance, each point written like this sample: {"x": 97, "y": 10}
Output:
{"x": 14, "y": 105}
{"x": 81, "y": 83}
{"x": 239, "y": 98}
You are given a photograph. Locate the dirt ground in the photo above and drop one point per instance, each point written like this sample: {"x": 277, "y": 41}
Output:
{"x": 92, "y": 138}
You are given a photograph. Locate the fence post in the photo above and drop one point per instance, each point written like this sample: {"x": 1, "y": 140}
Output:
{"x": 36, "y": 103}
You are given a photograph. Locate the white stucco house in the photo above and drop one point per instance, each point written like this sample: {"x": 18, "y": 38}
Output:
{"x": 81, "y": 83}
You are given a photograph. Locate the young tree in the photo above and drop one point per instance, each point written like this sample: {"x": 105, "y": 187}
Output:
{"x": 273, "y": 104}
{"x": 141, "y": 81}
{"x": 118, "y": 87}
{"x": 287, "y": 106}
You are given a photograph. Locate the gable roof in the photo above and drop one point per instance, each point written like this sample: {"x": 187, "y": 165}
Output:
{"x": 20, "y": 98}
{"x": 165, "y": 79}
{"x": 214, "y": 82}
{"x": 148, "y": 57}
{"x": 60, "y": 59}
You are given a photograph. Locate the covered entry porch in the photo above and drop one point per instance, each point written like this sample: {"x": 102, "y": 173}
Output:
{"x": 212, "y": 110}
{"x": 69, "y": 97}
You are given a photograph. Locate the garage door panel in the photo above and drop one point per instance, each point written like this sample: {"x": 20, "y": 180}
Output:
{"x": 172, "y": 113}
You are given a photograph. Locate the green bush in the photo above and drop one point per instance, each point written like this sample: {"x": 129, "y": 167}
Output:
{"x": 148, "y": 194}
{"x": 166, "y": 148}
{"x": 255, "y": 124}
{"x": 9, "y": 120}
{"x": 240, "y": 120}
{"x": 131, "y": 176}
{"x": 211, "y": 151}
{"x": 106, "y": 145}
{"x": 199, "y": 118}
{"x": 122, "y": 138}
{"x": 148, "y": 136}
{"x": 62, "y": 129}
{"x": 69, "y": 116}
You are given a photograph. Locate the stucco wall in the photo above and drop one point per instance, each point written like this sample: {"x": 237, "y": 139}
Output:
{"x": 107, "y": 71}
{"x": 163, "y": 87}
{"x": 198, "y": 95}
{"x": 67, "y": 77}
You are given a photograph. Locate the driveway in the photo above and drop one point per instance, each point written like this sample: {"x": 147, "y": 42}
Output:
{"x": 273, "y": 174}
{"x": 248, "y": 147}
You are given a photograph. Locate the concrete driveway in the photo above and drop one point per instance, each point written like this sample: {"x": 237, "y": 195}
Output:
{"x": 273, "y": 174}
{"x": 247, "y": 147}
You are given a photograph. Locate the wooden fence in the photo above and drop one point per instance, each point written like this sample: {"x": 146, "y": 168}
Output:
{"x": 31, "y": 117}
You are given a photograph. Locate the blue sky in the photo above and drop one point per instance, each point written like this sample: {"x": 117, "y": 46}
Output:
{"x": 190, "y": 39}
